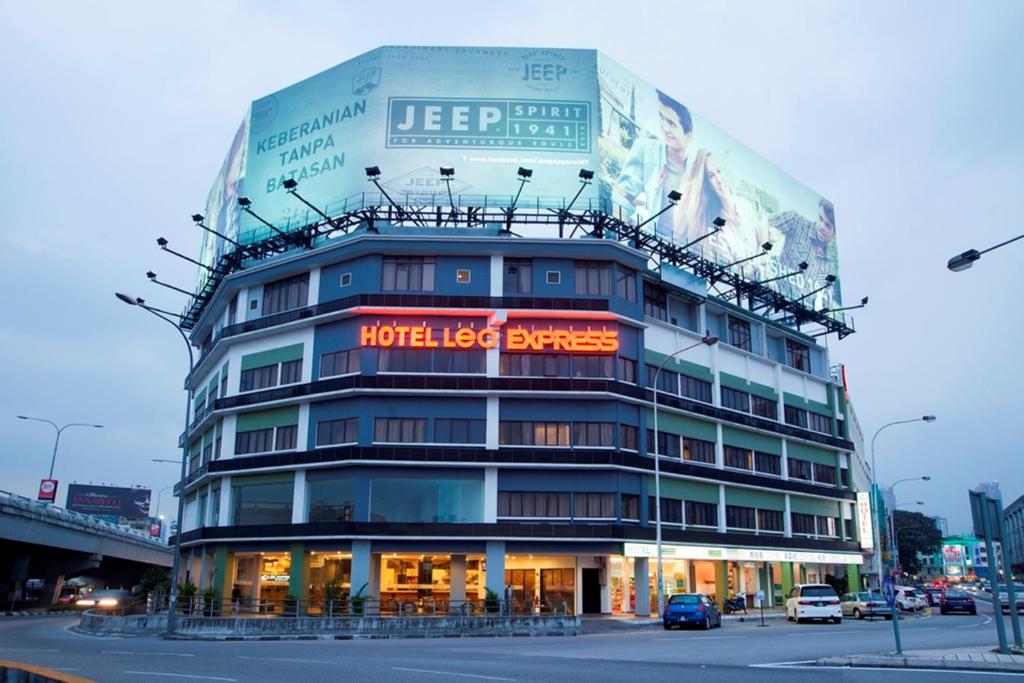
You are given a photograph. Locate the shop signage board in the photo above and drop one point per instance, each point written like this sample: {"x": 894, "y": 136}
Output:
{"x": 692, "y": 552}
{"x": 866, "y": 531}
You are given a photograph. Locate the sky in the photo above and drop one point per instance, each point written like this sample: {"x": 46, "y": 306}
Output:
{"x": 116, "y": 118}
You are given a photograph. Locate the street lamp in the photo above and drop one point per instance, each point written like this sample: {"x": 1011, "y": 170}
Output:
{"x": 708, "y": 340}
{"x": 874, "y": 492}
{"x": 966, "y": 259}
{"x": 172, "y": 598}
{"x": 56, "y": 441}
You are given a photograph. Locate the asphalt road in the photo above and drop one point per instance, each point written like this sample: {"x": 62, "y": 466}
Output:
{"x": 737, "y": 652}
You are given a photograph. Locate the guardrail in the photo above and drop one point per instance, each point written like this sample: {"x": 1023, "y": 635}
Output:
{"x": 76, "y": 518}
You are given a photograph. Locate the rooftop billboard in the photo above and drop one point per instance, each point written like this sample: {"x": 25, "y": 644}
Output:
{"x": 108, "y": 501}
{"x": 488, "y": 111}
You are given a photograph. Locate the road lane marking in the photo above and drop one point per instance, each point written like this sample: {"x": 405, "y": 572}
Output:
{"x": 698, "y": 639}
{"x": 28, "y": 649}
{"x": 147, "y": 654}
{"x": 452, "y": 673}
{"x": 288, "y": 659}
{"x": 170, "y": 675}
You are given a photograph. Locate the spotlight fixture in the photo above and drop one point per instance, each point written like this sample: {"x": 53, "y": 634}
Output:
{"x": 802, "y": 265}
{"x": 372, "y": 172}
{"x": 290, "y": 184}
{"x": 447, "y": 172}
{"x": 674, "y": 196}
{"x": 150, "y": 274}
{"x": 161, "y": 241}
{"x": 198, "y": 217}
{"x": 163, "y": 245}
{"x": 719, "y": 222}
{"x": 244, "y": 202}
{"x": 864, "y": 301}
{"x": 525, "y": 172}
{"x": 830, "y": 279}
{"x": 767, "y": 246}
{"x": 586, "y": 175}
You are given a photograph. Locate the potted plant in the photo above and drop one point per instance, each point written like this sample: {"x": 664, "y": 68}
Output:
{"x": 291, "y": 605}
{"x": 491, "y": 603}
{"x": 210, "y": 606}
{"x": 358, "y": 601}
{"x": 333, "y": 594}
{"x": 186, "y": 596}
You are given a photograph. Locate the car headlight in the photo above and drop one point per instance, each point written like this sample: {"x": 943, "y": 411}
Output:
{"x": 86, "y": 602}
{"x": 108, "y": 602}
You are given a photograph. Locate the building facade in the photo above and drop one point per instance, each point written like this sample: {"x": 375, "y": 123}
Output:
{"x": 420, "y": 413}
{"x": 1013, "y": 516}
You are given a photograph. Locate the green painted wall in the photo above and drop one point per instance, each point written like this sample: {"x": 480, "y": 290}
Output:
{"x": 679, "y": 424}
{"x": 741, "y": 438}
{"x": 221, "y": 579}
{"x": 822, "y": 456}
{"x": 853, "y": 577}
{"x": 752, "y": 498}
{"x": 275, "y": 478}
{"x": 677, "y": 365}
{"x": 813, "y": 506}
{"x": 281, "y": 355}
{"x": 298, "y": 584}
{"x": 800, "y": 402}
{"x": 741, "y": 384}
{"x": 685, "y": 489}
{"x": 264, "y": 419}
{"x": 199, "y": 399}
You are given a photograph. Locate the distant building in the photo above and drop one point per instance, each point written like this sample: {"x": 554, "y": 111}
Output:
{"x": 1014, "y": 517}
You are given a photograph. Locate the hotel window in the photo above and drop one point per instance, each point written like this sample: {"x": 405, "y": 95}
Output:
{"x": 798, "y": 356}
{"x": 671, "y": 510}
{"x": 767, "y": 463}
{"x": 770, "y": 520}
{"x": 696, "y": 450}
{"x": 399, "y": 430}
{"x": 655, "y": 302}
{"x": 738, "y": 458}
{"x": 735, "y": 400}
{"x": 533, "y": 433}
{"x": 286, "y": 294}
{"x": 625, "y": 370}
{"x": 764, "y": 407}
{"x": 694, "y": 388}
{"x": 668, "y": 381}
{"x": 408, "y": 274}
{"x": 233, "y": 310}
{"x": 630, "y": 507}
{"x": 701, "y": 514}
{"x": 594, "y": 506}
{"x": 668, "y": 444}
{"x": 207, "y": 453}
{"x": 819, "y": 423}
{"x": 215, "y": 507}
{"x": 628, "y": 436}
{"x": 286, "y": 438}
{"x": 451, "y": 430}
{"x": 739, "y": 333}
{"x": 553, "y": 277}
{"x": 331, "y": 498}
{"x": 463, "y": 276}
{"x": 224, "y": 382}
{"x": 625, "y": 283}
{"x": 593, "y": 277}
{"x": 593, "y": 366}
{"x": 533, "y": 504}
{"x": 264, "y": 440}
{"x": 802, "y": 524}
{"x": 534, "y": 365}
{"x": 827, "y": 526}
{"x": 800, "y": 469}
{"x": 258, "y": 378}
{"x": 593, "y": 434}
{"x": 451, "y": 361}
{"x": 265, "y": 503}
{"x": 216, "y": 448}
{"x": 518, "y": 276}
{"x": 339, "y": 363}
{"x": 795, "y": 416}
{"x": 332, "y": 432}
{"x": 737, "y": 517}
{"x": 824, "y": 474}
{"x": 291, "y": 371}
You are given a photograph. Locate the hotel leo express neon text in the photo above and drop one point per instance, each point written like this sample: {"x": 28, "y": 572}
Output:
{"x": 511, "y": 338}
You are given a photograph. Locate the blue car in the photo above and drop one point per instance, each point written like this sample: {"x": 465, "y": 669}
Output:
{"x": 691, "y": 608}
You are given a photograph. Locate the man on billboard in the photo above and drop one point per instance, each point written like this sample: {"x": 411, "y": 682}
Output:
{"x": 813, "y": 242}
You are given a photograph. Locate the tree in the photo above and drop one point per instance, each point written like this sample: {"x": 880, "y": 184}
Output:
{"x": 155, "y": 580}
{"x": 915, "y": 533}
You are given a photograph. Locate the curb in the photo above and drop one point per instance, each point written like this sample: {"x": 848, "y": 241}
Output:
{"x": 26, "y": 613}
{"x": 902, "y": 662}
{"x": 365, "y": 636}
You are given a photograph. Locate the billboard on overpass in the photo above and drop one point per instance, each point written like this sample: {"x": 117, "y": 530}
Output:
{"x": 108, "y": 501}
{"x": 488, "y": 111}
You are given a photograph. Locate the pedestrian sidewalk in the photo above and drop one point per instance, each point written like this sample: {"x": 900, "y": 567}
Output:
{"x": 983, "y": 658}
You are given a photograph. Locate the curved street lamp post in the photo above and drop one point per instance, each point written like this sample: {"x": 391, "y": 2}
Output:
{"x": 59, "y": 430}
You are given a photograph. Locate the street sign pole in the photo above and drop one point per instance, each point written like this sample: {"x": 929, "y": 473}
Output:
{"x": 993, "y": 568}
{"x": 1011, "y": 593}
{"x": 889, "y": 591}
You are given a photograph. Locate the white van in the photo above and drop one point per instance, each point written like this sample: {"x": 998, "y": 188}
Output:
{"x": 813, "y": 601}
{"x": 910, "y": 599}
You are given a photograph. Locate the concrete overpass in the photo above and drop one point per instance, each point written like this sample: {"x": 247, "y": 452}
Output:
{"x": 39, "y": 541}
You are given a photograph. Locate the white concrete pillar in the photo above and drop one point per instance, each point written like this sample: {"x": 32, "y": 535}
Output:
{"x": 787, "y": 523}
{"x": 302, "y": 439}
{"x": 642, "y": 584}
{"x": 225, "y": 502}
{"x": 314, "y": 287}
{"x": 458, "y": 579}
{"x": 721, "y": 508}
{"x": 785, "y": 460}
{"x": 299, "y": 497}
{"x": 490, "y": 495}
{"x": 493, "y": 416}
{"x": 227, "y": 443}
{"x": 606, "y": 585}
{"x": 719, "y": 446}
{"x": 497, "y": 275}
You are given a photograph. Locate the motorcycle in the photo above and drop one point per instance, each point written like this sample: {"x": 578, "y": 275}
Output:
{"x": 737, "y": 603}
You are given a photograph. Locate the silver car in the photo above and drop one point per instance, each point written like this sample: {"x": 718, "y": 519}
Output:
{"x": 864, "y": 604}
{"x": 1004, "y": 597}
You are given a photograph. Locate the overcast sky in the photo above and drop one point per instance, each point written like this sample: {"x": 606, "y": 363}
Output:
{"x": 116, "y": 118}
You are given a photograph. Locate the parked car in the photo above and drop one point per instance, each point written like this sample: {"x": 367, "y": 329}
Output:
{"x": 813, "y": 601}
{"x": 109, "y": 599}
{"x": 1004, "y": 597}
{"x": 864, "y": 604}
{"x": 933, "y": 595}
{"x": 956, "y": 601}
{"x": 691, "y": 608}
{"x": 909, "y": 599}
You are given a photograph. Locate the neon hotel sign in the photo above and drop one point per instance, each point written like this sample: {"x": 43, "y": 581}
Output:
{"x": 559, "y": 339}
